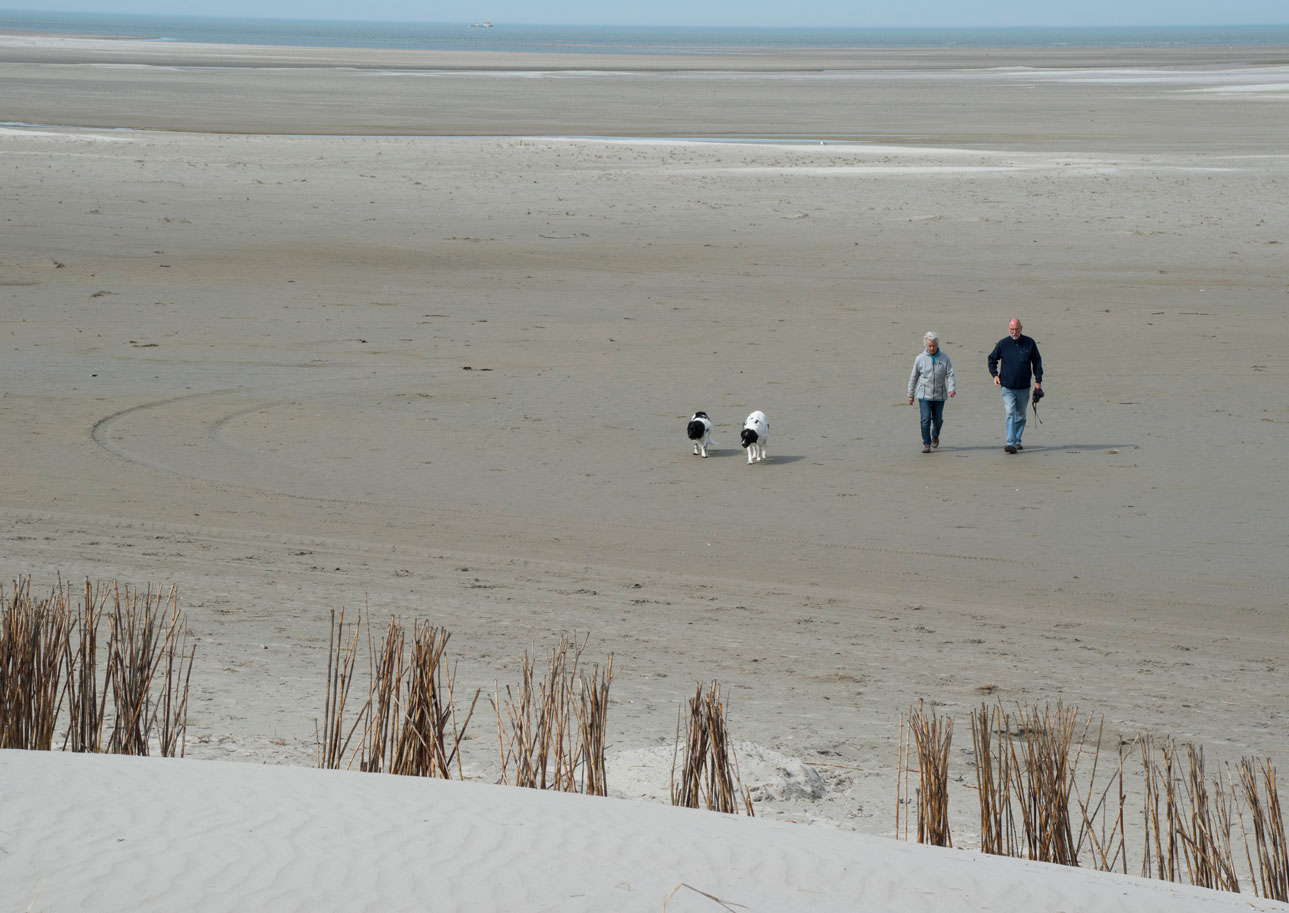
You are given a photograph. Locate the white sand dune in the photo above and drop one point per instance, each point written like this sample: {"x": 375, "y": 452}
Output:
{"x": 105, "y": 834}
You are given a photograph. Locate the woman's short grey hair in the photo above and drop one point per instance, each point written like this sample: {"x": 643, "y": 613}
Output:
{"x": 931, "y": 337}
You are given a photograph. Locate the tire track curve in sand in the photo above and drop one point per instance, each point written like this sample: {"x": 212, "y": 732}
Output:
{"x": 509, "y": 535}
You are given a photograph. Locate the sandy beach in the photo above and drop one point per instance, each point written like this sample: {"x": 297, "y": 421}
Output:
{"x": 298, "y": 330}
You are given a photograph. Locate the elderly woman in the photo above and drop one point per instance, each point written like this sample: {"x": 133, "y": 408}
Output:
{"x": 931, "y": 383}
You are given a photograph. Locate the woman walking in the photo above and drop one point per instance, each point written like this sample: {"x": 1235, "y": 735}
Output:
{"x": 931, "y": 383}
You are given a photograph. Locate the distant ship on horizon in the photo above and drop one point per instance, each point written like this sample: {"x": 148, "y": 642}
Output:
{"x": 482, "y": 25}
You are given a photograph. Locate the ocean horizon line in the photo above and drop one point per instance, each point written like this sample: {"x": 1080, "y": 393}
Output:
{"x": 641, "y": 25}
{"x": 592, "y": 38}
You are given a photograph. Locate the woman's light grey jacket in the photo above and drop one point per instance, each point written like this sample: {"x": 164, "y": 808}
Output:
{"x": 931, "y": 379}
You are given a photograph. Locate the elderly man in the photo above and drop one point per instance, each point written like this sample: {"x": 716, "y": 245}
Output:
{"x": 1012, "y": 363}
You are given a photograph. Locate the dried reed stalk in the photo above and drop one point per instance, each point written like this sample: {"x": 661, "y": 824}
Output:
{"x": 1271, "y": 868}
{"x": 31, "y": 680}
{"x": 147, "y": 670}
{"x": 1190, "y": 842}
{"x": 537, "y": 741}
{"x": 429, "y": 739}
{"x": 49, "y": 654}
{"x": 686, "y": 791}
{"x": 1223, "y": 826}
{"x": 1203, "y": 832}
{"x": 384, "y": 700}
{"x": 1040, "y": 780}
{"x": 1043, "y": 784}
{"x": 551, "y": 734}
{"x": 709, "y": 776}
{"x": 1108, "y": 844}
{"x": 409, "y": 721}
{"x": 130, "y": 629}
{"x": 333, "y": 740}
{"x": 991, "y": 743}
{"x": 171, "y": 714}
{"x": 931, "y": 737}
{"x": 1188, "y": 818}
{"x": 592, "y": 712}
{"x": 728, "y": 905}
{"x": 86, "y": 705}
{"x": 1161, "y": 854}
{"x": 904, "y": 794}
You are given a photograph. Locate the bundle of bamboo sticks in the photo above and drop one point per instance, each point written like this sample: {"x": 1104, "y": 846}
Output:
{"x": 408, "y": 722}
{"x": 705, "y": 759}
{"x": 135, "y": 701}
{"x": 1033, "y": 804}
{"x": 552, "y": 732}
{"x": 930, "y": 735}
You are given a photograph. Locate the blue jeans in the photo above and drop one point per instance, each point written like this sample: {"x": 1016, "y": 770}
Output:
{"x": 932, "y": 411}
{"x": 1015, "y": 402}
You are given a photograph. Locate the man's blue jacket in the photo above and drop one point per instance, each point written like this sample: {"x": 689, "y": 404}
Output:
{"x": 1011, "y": 362}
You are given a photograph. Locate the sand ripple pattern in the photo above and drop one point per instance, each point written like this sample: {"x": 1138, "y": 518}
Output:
{"x": 115, "y": 834}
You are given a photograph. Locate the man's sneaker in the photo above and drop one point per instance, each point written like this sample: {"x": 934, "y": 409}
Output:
{"x": 926, "y": 449}
{"x": 1009, "y": 449}
{"x": 1019, "y": 447}
{"x": 935, "y": 442}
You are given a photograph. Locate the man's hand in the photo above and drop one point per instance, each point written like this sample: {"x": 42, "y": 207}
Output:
{"x": 998, "y": 381}
{"x": 910, "y": 400}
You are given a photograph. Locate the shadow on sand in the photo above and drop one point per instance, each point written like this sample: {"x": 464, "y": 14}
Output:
{"x": 714, "y": 454}
{"x": 1039, "y": 448}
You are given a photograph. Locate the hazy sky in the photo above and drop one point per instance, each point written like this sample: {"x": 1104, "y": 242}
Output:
{"x": 720, "y": 12}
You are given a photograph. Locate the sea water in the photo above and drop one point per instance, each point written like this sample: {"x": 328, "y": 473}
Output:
{"x": 465, "y": 36}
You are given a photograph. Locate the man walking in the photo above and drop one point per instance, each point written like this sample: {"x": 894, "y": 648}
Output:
{"x": 1012, "y": 363}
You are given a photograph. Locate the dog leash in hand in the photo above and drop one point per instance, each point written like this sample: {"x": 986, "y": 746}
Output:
{"x": 1038, "y": 394}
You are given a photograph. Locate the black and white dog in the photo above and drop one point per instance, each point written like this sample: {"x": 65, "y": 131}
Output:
{"x": 699, "y": 430}
{"x": 756, "y": 431}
